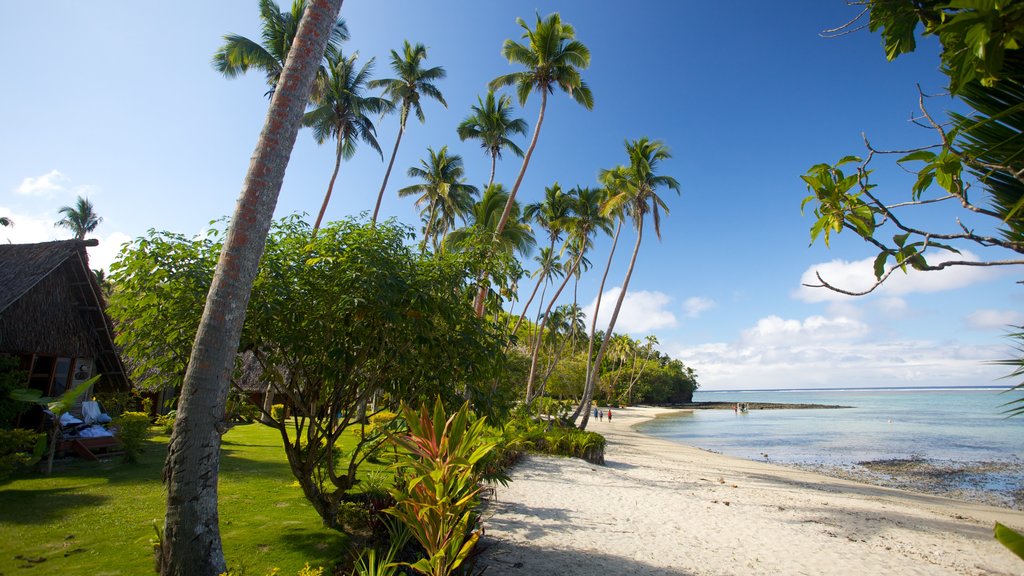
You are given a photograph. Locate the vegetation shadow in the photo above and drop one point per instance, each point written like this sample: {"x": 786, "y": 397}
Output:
{"x": 499, "y": 557}
{"x": 47, "y": 506}
{"x": 309, "y": 543}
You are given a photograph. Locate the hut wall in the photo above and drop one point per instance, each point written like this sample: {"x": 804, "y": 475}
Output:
{"x": 47, "y": 320}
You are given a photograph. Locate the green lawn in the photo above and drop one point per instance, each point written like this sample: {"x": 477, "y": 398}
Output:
{"x": 97, "y": 518}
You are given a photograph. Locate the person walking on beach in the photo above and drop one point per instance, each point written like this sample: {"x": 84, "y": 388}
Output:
{"x": 609, "y": 414}
{"x": 600, "y": 415}
{"x": 595, "y": 412}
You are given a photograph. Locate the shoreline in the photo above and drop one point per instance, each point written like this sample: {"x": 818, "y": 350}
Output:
{"x": 661, "y": 508}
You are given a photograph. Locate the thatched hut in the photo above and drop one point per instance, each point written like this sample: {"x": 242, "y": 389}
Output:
{"x": 52, "y": 317}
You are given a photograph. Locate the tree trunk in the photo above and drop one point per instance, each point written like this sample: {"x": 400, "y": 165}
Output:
{"x": 593, "y": 329}
{"x": 534, "y": 293}
{"x": 540, "y": 332}
{"x": 426, "y": 229}
{"x": 515, "y": 189}
{"x": 593, "y": 375}
{"x": 268, "y": 403}
{"x": 387, "y": 174}
{"x": 191, "y": 542}
{"x": 330, "y": 188}
{"x": 494, "y": 163}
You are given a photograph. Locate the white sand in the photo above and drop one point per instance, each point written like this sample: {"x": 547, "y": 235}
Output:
{"x": 661, "y": 508}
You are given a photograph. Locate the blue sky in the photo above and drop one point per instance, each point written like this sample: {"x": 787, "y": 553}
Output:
{"x": 119, "y": 102}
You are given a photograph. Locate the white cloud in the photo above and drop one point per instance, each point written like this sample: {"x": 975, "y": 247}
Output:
{"x": 695, "y": 306}
{"x": 52, "y": 181}
{"x": 776, "y": 331}
{"x": 994, "y": 319}
{"x": 103, "y": 256}
{"x": 642, "y": 311}
{"x": 806, "y": 363}
{"x": 859, "y": 275}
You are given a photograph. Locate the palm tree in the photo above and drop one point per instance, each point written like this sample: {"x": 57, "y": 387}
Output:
{"x": 404, "y": 91}
{"x": 552, "y": 57}
{"x": 611, "y": 180}
{"x": 492, "y": 124}
{"x": 444, "y": 194}
{"x": 239, "y": 53}
{"x": 552, "y": 214}
{"x": 5, "y": 221}
{"x": 636, "y": 192}
{"x": 340, "y": 113}
{"x": 190, "y": 543}
{"x": 81, "y": 219}
{"x": 586, "y": 220}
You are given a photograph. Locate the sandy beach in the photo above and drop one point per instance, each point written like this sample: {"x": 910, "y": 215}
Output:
{"x": 661, "y": 508}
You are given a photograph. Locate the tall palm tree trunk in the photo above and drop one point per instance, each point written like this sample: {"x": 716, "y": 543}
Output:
{"x": 330, "y": 188}
{"x": 191, "y": 542}
{"x": 596, "y": 369}
{"x": 540, "y": 332}
{"x": 427, "y": 229}
{"x": 512, "y": 195}
{"x": 387, "y": 173}
{"x": 587, "y": 389}
{"x": 540, "y": 279}
{"x": 494, "y": 164}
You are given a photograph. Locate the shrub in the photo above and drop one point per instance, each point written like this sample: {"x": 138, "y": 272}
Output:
{"x": 166, "y": 422}
{"x": 277, "y": 412}
{"x": 131, "y": 431}
{"x": 19, "y": 449}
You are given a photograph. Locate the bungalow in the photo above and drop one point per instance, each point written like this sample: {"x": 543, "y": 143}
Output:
{"x": 52, "y": 317}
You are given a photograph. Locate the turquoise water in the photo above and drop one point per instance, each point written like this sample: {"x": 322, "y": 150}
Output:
{"x": 955, "y": 425}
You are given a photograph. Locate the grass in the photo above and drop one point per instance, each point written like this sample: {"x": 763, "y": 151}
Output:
{"x": 97, "y": 518}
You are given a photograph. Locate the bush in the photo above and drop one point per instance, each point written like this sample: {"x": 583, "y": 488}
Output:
{"x": 277, "y": 412}
{"x": 553, "y": 437}
{"x": 131, "y": 431}
{"x": 166, "y": 422}
{"x": 19, "y": 449}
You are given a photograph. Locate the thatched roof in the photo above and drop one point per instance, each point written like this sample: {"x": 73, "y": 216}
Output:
{"x": 51, "y": 303}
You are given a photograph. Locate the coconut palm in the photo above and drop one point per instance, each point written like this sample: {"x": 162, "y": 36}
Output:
{"x": 190, "y": 542}
{"x": 636, "y": 192}
{"x": 340, "y": 112}
{"x": 586, "y": 220}
{"x": 492, "y": 124}
{"x": 552, "y": 215}
{"x": 81, "y": 219}
{"x": 5, "y": 221}
{"x": 239, "y": 54}
{"x": 553, "y": 58}
{"x": 404, "y": 91}
{"x": 443, "y": 193}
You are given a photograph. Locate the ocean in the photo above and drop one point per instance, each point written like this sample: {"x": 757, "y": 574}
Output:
{"x": 958, "y": 431}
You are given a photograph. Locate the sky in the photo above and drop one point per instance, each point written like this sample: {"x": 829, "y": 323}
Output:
{"x": 118, "y": 102}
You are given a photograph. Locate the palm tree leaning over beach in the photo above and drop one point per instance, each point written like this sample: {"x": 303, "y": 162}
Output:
{"x": 552, "y": 57}
{"x": 404, "y": 91}
{"x": 239, "y": 54}
{"x": 492, "y": 124}
{"x": 443, "y": 194}
{"x": 635, "y": 190}
{"x": 81, "y": 218}
{"x": 340, "y": 112}
{"x": 552, "y": 215}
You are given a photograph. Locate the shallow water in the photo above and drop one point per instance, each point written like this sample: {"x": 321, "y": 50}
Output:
{"x": 948, "y": 426}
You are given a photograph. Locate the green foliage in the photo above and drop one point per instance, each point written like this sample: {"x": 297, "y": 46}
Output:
{"x": 555, "y": 438}
{"x": 277, "y": 412}
{"x": 19, "y": 449}
{"x": 165, "y": 422}
{"x": 240, "y": 409}
{"x": 1010, "y": 538}
{"x": 436, "y": 499}
{"x": 11, "y": 379}
{"x": 132, "y": 429}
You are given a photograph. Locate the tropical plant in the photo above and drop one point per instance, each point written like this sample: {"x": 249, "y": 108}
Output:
{"x": 131, "y": 431}
{"x": 586, "y": 220}
{"x": 6, "y": 221}
{"x": 80, "y": 219}
{"x": 549, "y": 267}
{"x": 405, "y": 91}
{"x": 443, "y": 193}
{"x": 492, "y": 124}
{"x": 436, "y": 498}
{"x": 190, "y": 544}
{"x": 239, "y": 54}
{"x": 553, "y": 58}
{"x": 340, "y": 113}
{"x": 636, "y": 192}
{"x": 552, "y": 214}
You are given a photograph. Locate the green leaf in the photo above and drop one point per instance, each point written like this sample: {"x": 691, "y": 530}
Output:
{"x": 847, "y": 160}
{"x": 924, "y": 155}
{"x": 880, "y": 264}
{"x": 1010, "y": 538}
{"x": 900, "y": 239}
